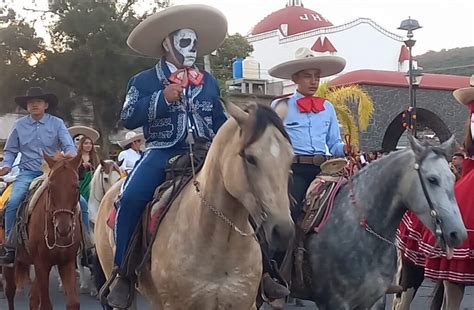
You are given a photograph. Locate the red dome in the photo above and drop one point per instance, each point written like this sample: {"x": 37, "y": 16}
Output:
{"x": 298, "y": 18}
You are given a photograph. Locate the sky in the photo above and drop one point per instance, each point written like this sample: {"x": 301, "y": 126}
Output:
{"x": 446, "y": 23}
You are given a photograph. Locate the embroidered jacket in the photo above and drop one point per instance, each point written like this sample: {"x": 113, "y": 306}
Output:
{"x": 164, "y": 125}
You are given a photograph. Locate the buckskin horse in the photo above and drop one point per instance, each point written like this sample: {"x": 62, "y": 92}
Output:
{"x": 54, "y": 237}
{"x": 205, "y": 255}
{"x": 351, "y": 262}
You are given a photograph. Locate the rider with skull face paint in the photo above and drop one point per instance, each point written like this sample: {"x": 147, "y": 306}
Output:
{"x": 167, "y": 100}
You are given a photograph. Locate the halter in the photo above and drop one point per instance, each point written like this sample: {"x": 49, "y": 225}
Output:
{"x": 433, "y": 213}
{"x": 53, "y": 214}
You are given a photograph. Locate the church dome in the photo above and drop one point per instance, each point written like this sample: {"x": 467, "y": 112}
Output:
{"x": 292, "y": 19}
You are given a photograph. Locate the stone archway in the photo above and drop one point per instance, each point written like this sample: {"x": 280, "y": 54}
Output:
{"x": 425, "y": 118}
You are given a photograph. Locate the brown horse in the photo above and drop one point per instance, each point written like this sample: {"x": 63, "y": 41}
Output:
{"x": 54, "y": 237}
{"x": 205, "y": 255}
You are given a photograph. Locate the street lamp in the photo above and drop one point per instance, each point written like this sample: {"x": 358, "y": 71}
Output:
{"x": 410, "y": 25}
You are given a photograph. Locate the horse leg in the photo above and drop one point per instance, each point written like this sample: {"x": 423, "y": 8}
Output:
{"x": 410, "y": 277}
{"x": 42, "y": 281}
{"x": 68, "y": 275}
{"x": 438, "y": 295}
{"x": 10, "y": 286}
{"x": 84, "y": 278}
{"x": 34, "y": 296}
{"x": 453, "y": 294}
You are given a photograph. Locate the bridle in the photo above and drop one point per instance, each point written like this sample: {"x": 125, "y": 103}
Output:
{"x": 52, "y": 214}
{"x": 101, "y": 175}
{"x": 433, "y": 213}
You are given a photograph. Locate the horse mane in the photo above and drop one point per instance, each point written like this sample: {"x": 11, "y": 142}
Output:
{"x": 264, "y": 116}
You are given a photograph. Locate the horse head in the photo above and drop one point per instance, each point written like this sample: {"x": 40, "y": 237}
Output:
{"x": 255, "y": 165}
{"x": 63, "y": 192}
{"x": 110, "y": 174}
{"x": 431, "y": 192}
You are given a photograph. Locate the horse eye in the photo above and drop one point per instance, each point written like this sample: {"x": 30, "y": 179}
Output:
{"x": 251, "y": 159}
{"x": 433, "y": 181}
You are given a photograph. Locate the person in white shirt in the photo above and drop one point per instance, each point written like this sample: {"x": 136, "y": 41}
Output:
{"x": 131, "y": 153}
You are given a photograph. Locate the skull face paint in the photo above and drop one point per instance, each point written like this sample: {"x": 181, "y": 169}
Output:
{"x": 77, "y": 139}
{"x": 185, "y": 46}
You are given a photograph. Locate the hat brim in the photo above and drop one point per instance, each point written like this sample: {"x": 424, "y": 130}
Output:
{"x": 464, "y": 95}
{"x": 85, "y": 131}
{"x": 333, "y": 166}
{"x": 126, "y": 142}
{"x": 51, "y": 99}
{"x": 209, "y": 24}
{"x": 327, "y": 65}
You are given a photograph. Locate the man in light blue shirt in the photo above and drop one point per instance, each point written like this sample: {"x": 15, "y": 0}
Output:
{"x": 32, "y": 135}
{"x": 310, "y": 121}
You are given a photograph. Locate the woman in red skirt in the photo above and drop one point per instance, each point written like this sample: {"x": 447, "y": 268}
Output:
{"x": 456, "y": 269}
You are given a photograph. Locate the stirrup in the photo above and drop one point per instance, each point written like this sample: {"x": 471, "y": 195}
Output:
{"x": 105, "y": 289}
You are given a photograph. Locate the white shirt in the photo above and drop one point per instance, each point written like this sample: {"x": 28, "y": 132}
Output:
{"x": 129, "y": 158}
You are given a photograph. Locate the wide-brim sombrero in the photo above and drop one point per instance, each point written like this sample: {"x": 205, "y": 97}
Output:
{"x": 37, "y": 93}
{"x": 91, "y": 133}
{"x": 129, "y": 138}
{"x": 465, "y": 95}
{"x": 305, "y": 60}
{"x": 333, "y": 166}
{"x": 209, "y": 24}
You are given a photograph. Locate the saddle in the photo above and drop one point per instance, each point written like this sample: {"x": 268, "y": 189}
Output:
{"x": 317, "y": 209}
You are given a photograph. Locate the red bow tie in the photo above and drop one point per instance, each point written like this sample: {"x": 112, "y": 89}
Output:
{"x": 310, "y": 104}
{"x": 187, "y": 76}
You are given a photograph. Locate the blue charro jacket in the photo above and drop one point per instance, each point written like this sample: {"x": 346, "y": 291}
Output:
{"x": 165, "y": 125}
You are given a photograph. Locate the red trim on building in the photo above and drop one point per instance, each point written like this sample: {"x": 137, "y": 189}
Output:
{"x": 328, "y": 47}
{"x": 404, "y": 54}
{"x": 398, "y": 79}
{"x": 298, "y": 18}
{"x": 318, "y": 46}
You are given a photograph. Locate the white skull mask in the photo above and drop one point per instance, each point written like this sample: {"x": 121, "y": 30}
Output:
{"x": 185, "y": 46}
{"x": 77, "y": 140}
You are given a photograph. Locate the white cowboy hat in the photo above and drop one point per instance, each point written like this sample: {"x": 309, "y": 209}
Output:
{"x": 465, "y": 95}
{"x": 91, "y": 133}
{"x": 306, "y": 59}
{"x": 209, "y": 24}
{"x": 130, "y": 137}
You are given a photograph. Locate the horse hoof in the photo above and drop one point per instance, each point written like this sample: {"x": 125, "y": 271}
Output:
{"x": 94, "y": 292}
{"x": 84, "y": 290}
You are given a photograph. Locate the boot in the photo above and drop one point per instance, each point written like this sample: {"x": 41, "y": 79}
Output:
{"x": 122, "y": 292}
{"x": 394, "y": 289}
{"x": 8, "y": 259}
{"x": 273, "y": 289}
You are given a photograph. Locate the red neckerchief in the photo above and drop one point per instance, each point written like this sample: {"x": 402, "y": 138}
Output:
{"x": 187, "y": 76}
{"x": 310, "y": 104}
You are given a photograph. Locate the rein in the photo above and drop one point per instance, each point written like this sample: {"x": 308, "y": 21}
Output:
{"x": 53, "y": 214}
{"x": 363, "y": 221}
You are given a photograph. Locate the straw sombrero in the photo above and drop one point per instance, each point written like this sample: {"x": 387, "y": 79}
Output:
{"x": 37, "y": 93}
{"x": 209, "y": 24}
{"x": 91, "y": 133}
{"x": 465, "y": 95}
{"x": 333, "y": 166}
{"x": 129, "y": 138}
{"x": 306, "y": 59}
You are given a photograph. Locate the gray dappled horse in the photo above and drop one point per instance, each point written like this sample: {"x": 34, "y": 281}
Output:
{"x": 352, "y": 265}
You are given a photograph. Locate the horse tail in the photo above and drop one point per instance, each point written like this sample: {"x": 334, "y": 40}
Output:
{"x": 22, "y": 274}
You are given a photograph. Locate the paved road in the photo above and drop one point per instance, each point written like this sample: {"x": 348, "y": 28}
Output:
{"x": 421, "y": 302}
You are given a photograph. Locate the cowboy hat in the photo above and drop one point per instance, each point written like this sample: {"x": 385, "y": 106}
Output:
{"x": 306, "y": 59}
{"x": 465, "y": 95}
{"x": 37, "y": 93}
{"x": 91, "y": 133}
{"x": 130, "y": 137}
{"x": 209, "y": 24}
{"x": 333, "y": 166}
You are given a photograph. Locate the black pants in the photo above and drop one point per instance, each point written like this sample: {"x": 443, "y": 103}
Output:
{"x": 303, "y": 175}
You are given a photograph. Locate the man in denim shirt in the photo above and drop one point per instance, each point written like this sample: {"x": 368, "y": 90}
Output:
{"x": 32, "y": 135}
{"x": 310, "y": 121}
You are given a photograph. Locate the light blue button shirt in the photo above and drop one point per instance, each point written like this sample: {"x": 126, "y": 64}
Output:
{"x": 31, "y": 138}
{"x": 312, "y": 133}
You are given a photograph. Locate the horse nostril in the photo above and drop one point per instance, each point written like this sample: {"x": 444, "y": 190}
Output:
{"x": 454, "y": 236}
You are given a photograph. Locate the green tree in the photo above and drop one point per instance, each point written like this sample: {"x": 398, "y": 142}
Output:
{"x": 18, "y": 46}
{"x": 90, "y": 59}
{"x": 233, "y": 47}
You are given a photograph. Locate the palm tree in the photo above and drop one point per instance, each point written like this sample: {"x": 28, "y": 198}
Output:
{"x": 341, "y": 98}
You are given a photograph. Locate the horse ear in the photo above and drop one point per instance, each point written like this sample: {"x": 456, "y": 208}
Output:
{"x": 120, "y": 162}
{"x": 49, "y": 160}
{"x": 416, "y": 146}
{"x": 102, "y": 163}
{"x": 282, "y": 109}
{"x": 236, "y": 113}
{"x": 449, "y": 146}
